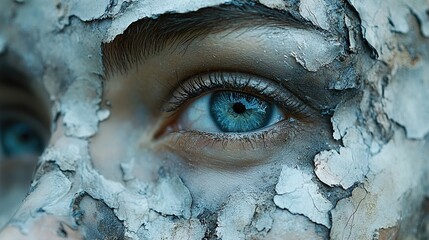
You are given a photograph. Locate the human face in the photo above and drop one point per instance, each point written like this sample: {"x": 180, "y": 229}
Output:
{"x": 237, "y": 121}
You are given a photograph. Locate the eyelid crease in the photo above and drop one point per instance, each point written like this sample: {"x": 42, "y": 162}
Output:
{"x": 266, "y": 89}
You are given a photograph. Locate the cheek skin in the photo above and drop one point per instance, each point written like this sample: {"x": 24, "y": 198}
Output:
{"x": 117, "y": 140}
{"x": 211, "y": 186}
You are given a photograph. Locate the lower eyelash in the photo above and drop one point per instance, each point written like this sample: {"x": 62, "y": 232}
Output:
{"x": 238, "y": 150}
{"x": 265, "y": 138}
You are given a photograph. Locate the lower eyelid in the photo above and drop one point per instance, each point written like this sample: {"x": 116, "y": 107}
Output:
{"x": 226, "y": 150}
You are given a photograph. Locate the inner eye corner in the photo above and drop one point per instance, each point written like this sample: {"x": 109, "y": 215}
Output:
{"x": 25, "y": 118}
{"x": 162, "y": 127}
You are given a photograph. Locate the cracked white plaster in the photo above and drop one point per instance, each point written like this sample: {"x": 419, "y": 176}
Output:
{"x": 66, "y": 152}
{"x": 235, "y": 216}
{"x": 171, "y": 197}
{"x": 103, "y": 114}
{"x": 315, "y": 11}
{"x": 380, "y": 202}
{"x": 373, "y": 14}
{"x": 345, "y": 118}
{"x": 352, "y": 34}
{"x": 297, "y": 193}
{"x": 131, "y": 208}
{"x": 132, "y": 204}
{"x": 410, "y": 112}
{"x": 325, "y": 52}
{"x": 91, "y": 10}
{"x": 380, "y": 19}
{"x": 276, "y": 4}
{"x": 349, "y": 165}
{"x": 264, "y": 222}
{"x": 159, "y": 227}
{"x": 79, "y": 106}
{"x": 289, "y": 226}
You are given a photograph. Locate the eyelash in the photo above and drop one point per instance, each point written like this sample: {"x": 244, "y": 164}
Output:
{"x": 220, "y": 81}
{"x": 248, "y": 141}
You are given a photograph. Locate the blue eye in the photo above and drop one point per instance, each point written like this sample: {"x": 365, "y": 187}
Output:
{"x": 239, "y": 112}
{"x": 20, "y": 138}
{"x": 229, "y": 111}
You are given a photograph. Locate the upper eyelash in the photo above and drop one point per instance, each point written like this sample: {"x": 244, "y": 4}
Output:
{"x": 263, "y": 88}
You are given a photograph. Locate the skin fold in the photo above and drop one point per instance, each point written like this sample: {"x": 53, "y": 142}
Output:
{"x": 124, "y": 93}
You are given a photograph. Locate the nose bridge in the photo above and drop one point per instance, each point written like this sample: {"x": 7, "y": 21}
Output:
{"x": 59, "y": 205}
{"x": 43, "y": 213}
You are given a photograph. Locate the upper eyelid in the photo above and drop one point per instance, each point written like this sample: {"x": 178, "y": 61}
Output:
{"x": 149, "y": 36}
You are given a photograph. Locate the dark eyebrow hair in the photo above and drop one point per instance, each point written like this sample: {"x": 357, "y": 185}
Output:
{"x": 149, "y": 36}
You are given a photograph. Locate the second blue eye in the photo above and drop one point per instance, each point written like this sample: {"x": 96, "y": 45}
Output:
{"x": 19, "y": 138}
{"x": 239, "y": 112}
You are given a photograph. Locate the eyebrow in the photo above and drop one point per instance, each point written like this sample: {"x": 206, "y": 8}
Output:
{"x": 149, "y": 36}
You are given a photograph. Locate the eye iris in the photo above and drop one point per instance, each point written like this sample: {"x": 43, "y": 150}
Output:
{"x": 239, "y": 112}
{"x": 19, "y": 138}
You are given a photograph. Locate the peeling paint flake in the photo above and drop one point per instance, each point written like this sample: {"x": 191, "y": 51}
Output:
{"x": 276, "y": 4}
{"x": 160, "y": 227}
{"x": 297, "y": 193}
{"x": 290, "y": 226}
{"x": 80, "y": 105}
{"x": 346, "y": 167}
{"x": 315, "y": 11}
{"x": 91, "y": 10}
{"x": 324, "y": 53}
{"x": 375, "y": 205}
{"x": 103, "y": 114}
{"x": 234, "y": 217}
{"x": 350, "y": 164}
{"x": 171, "y": 197}
{"x": 352, "y": 35}
{"x": 380, "y": 19}
{"x": 67, "y": 152}
{"x": 264, "y": 222}
{"x": 373, "y": 14}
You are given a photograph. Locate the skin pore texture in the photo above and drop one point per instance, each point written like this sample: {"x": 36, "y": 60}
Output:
{"x": 135, "y": 152}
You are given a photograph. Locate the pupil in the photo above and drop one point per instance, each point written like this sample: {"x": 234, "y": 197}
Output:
{"x": 239, "y": 108}
{"x": 25, "y": 137}
{"x": 239, "y": 112}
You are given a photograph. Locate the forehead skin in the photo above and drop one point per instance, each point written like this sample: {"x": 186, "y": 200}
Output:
{"x": 379, "y": 129}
